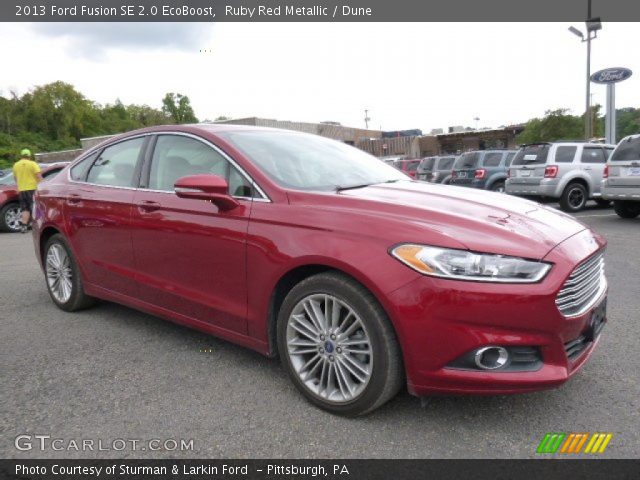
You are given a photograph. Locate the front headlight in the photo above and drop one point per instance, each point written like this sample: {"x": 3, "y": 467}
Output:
{"x": 465, "y": 265}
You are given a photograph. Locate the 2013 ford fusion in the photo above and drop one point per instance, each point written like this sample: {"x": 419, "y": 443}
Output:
{"x": 295, "y": 245}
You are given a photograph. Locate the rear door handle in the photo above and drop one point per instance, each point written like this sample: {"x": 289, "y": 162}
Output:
{"x": 148, "y": 206}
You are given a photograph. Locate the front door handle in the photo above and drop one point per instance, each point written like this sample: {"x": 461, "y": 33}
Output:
{"x": 74, "y": 199}
{"x": 148, "y": 206}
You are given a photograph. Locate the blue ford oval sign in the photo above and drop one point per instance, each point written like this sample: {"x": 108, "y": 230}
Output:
{"x": 611, "y": 75}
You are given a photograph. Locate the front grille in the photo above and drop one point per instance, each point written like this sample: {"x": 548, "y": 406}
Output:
{"x": 583, "y": 287}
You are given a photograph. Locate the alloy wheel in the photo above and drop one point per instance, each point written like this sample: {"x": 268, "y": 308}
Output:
{"x": 59, "y": 273}
{"x": 329, "y": 348}
{"x": 576, "y": 198}
{"x": 12, "y": 218}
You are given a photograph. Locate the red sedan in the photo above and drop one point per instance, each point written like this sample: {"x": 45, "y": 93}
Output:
{"x": 9, "y": 201}
{"x": 359, "y": 278}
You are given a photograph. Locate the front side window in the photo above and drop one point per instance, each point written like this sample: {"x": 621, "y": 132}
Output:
{"x": 177, "y": 156}
{"x": 80, "y": 169}
{"x": 565, "y": 154}
{"x": 116, "y": 165}
{"x": 492, "y": 159}
{"x": 593, "y": 155}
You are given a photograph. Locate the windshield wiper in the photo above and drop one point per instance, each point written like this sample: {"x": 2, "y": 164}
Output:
{"x": 353, "y": 187}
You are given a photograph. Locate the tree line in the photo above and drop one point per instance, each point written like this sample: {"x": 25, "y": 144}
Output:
{"x": 56, "y": 116}
{"x": 561, "y": 125}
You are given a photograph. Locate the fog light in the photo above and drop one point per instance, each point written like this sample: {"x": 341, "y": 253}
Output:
{"x": 491, "y": 358}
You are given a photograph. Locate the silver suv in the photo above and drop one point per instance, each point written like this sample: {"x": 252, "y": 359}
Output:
{"x": 621, "y": 181}
{"x": 568, "y": 171}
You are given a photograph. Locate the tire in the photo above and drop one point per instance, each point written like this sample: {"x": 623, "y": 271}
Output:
{"x": 9, "y": 222}
{"x": 375, "y": 376}
{"x": 498, "y": 186}
{"x": 603, "y": 203}
{"x": 574, "y": 197}
{"x": 626, "y": 209}
{"x": 59, "y": 262}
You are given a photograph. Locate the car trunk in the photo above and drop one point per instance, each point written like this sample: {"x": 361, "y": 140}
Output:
{"x": 464, "y": 168}
{"x": 624, "y": 166}
{"x": 528, "y": 166}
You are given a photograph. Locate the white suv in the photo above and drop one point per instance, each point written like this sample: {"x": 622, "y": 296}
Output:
{"x": 568, "y": 171}
{"x": 622, "y": 178}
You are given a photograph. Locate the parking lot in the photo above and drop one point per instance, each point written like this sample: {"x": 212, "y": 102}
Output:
{"x": 115, "y": 373}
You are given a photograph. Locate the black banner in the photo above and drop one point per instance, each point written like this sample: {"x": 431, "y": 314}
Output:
{"x": 310, "y": 469}
{"x": 314, "y": 10}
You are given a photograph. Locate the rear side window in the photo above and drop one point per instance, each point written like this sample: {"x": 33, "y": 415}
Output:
{"x": 446, "y": 163}
{"x": 116, "y": 165}
{"x": 509, "y": 159}
{"x": 593, "y": 155}
{"x": 627, "y": 150}
{"x": 80, "y": 169}
{"x": 492, "y": 159}
{"x": 565, "y": 154}
{"x": 467, "y": 160}
{"x": 531, "y": 155}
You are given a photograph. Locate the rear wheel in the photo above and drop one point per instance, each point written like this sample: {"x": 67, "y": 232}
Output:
{"x": 338, "y": 345}
{"x": 626, "y": 209}
{"x": 63, "y": 276}
{"x": 574, "y": 197}
{"x": 10, "y": 216}
{"x": 498, "y": 186}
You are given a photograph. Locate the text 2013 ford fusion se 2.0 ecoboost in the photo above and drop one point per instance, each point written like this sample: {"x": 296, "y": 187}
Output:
{"x": 361, "y": 279}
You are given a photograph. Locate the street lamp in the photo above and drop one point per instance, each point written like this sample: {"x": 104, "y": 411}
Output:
{"x": 593, "y": 25}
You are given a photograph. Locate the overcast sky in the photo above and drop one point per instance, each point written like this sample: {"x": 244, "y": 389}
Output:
{"x": 418, "y": 75}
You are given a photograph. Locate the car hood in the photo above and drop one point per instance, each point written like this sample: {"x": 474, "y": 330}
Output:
{"x": 475, "y": 219}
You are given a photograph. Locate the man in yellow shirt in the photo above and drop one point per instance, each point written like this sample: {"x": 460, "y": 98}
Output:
{"x": 27, "y": 175}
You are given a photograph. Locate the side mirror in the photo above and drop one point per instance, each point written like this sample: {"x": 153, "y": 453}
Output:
{"x": 206, "y": 187}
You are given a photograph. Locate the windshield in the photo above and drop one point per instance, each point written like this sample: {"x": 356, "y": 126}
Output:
{"x": 531, "y": 154}
{"x": 467, "y": 160}
{"x": 7, "y": 179}
{"x": 309, "y": 162}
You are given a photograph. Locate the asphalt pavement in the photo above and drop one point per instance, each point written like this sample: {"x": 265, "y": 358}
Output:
{"x": 112, "y": 373}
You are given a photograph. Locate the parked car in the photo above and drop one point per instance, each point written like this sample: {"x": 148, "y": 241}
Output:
{"x": 622, "y": 178}
{"x": 296, "y": 245}
{"x": 485, "y": 169}
{"x": 9, "y": 202}
{"x": 408, "y": 166}
{"x": 436, "y": 169}
{"x": 568, "y": 171}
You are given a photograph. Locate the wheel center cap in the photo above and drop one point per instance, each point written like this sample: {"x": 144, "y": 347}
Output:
{"x": 328, "y": 346}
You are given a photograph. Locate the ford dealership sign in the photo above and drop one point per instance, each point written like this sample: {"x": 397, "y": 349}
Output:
{"x": 611, "y": 75}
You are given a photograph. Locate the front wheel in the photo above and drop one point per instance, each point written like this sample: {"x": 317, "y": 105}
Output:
{"x": 626, "y": 209}
{"x": 63, "y": 276}
{"x": 338, "y": 345}
{"x": 10, "y": 218}
{"x": 574, "y": 198}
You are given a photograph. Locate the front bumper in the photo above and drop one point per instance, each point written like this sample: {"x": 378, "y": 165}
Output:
{"x": 440, "y": 320}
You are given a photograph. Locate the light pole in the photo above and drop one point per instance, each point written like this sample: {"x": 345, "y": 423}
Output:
{"x": 593, "y": 25}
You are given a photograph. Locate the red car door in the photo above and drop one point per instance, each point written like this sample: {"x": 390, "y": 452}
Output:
{"x": 190, "y": 256}
{"x": 98, "y": 216}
